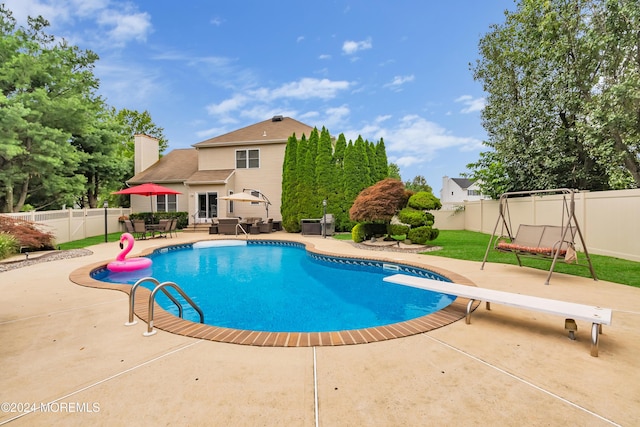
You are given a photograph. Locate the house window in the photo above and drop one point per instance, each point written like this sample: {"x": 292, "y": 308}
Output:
{"x": 473, "y": 193}
{"x": 230, "y": 203}
{"x": 167, "y": 203}
{"x": 247, "y": 159}
{"x": 257, "y": 194}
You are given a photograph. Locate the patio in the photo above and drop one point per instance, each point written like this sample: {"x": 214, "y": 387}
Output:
{"x": 66, "y": 345}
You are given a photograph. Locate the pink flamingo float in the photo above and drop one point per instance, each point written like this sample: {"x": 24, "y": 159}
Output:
{"x": 131, "y": 264}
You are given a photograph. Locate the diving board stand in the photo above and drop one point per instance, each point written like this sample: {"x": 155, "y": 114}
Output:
{"x": 598, "y": 316}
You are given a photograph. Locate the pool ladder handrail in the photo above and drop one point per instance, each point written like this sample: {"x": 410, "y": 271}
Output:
{"x": 242, "y": 229}
{"x": 159, "y": 287}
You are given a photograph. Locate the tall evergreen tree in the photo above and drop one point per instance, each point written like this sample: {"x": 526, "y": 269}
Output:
{"x": 311, "y": 204}
{"x": 382, "y": 163}
{"x": 289, "y": 186}
{"x": 325, "y": 174}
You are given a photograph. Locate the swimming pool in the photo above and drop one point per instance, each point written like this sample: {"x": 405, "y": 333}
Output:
{"x": 277, "y": 286}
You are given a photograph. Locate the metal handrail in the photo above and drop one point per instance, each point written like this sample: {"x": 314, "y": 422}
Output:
{"x": 132, "y": 296}
{"x": 243, "y": 230}
{"x": 160, "y": 287}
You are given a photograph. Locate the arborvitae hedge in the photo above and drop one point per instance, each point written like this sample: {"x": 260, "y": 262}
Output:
{"x": 317, "y": 169}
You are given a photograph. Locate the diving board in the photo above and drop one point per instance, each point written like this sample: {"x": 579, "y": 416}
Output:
{"x": 598, "y": 316}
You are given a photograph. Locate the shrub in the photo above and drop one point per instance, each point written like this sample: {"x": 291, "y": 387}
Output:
{"x": 26, "y": 233}
{"x": 398, "y": 229}
{"x": 357, "y": 233}
{"x": 434, "y": 233}
{"x": 8, "y": 245}
{"x": 374, "y": 229}
{"x": 413, "y": 217}
{"x": 421, "y": 235}
{"x": 424, "y": 200}
{"x": 183, "y": 217}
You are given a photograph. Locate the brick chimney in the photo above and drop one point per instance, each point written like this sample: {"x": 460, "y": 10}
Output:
{"x": 147, "y": 152}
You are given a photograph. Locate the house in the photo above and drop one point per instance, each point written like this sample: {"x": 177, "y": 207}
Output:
{"x": 455, "y": 191}
{"x": 248, "y": 159}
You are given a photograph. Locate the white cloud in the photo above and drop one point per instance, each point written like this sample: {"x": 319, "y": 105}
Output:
{"x": 324, "y": 56}
{"x": 264, "y": 98}
{"x": 307, "y": 88}
{"x": 121, "y": 20}
{"x": 129, "y": 85}
{"x": 413, "y": 140}
{"x": 350, "y": 47}
{"x": 125, "y": 27}
{"x": 398, "y": 81}
{"x": 471, "y": 104}
{"x": 300, "y": 39}
{"x": 228, "y": 105}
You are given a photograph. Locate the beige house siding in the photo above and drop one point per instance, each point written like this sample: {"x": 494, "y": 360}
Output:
{"x": 143, "y": 204}
{"x": 266, "y": 179}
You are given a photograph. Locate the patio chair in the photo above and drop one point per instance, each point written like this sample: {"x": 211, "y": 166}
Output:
{"x": 164, "y": 227}
{"x": 139, "y": 229}
{"x": 128, "y": 227}
{"x": 266, "y": 227}
{"x": 227, "y": 225}
{"x": 173, "y": 227}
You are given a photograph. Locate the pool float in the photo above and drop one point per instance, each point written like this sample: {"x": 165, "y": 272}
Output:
{"x": 131, "y": 264}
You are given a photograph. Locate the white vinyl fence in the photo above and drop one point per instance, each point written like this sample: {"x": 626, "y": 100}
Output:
{"x": 76, "y": 224}
{"x": 608, "y": 219}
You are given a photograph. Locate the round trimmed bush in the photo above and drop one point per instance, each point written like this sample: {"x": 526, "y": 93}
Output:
{"x": 398, "y": 229}
{"x": 413, "y": 217}
{"x": 424, "y": 200}
{"x": 420, "y": 235}
{"x": 358, "y": 233}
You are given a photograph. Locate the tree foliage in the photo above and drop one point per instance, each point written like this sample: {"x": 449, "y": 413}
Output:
{"x": 418, "y": 183}
{"x": 59, "y": 143}
{"x": 379, "y": 202}
{"x": 318, "y": 169}
{"x": 562, "y": 79}
{"x": 46, "y": 97}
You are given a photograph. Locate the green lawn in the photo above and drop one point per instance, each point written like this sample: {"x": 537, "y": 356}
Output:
{"x": 469, "y": 245}
{"x": 89, "y": 241}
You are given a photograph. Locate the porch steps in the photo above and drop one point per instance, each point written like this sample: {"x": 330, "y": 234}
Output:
{"x": 197, "y": 228}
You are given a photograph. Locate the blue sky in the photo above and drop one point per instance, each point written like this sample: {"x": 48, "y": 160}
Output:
{"x": 392, "y": 69}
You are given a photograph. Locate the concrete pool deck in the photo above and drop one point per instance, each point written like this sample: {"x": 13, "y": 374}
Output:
{"x": 64, "y": 348}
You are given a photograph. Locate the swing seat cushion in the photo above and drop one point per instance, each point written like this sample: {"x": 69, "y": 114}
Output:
{"x": 540, "y": 240}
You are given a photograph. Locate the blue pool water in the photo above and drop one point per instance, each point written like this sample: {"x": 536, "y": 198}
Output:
{"x": 280, "y": 287}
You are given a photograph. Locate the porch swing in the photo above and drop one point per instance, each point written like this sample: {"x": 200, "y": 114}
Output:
{"x": 551, "y": 242}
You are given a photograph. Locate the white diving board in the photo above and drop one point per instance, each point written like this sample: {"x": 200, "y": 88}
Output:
{"x": 598, "y": 316}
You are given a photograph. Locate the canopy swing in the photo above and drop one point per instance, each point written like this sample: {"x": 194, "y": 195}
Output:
{"x": 553, "y": 242}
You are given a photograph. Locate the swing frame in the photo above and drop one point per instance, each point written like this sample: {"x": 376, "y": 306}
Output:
{"x": 552, "y": 251}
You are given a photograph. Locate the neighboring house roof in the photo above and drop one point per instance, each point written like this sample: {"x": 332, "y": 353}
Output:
{"x": 463, "y": 183}
{"x": 278, "y": 129}
{"x": 176, "y": 166}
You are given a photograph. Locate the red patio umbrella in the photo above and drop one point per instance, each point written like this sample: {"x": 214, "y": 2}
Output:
{"x": 148, "y": 189}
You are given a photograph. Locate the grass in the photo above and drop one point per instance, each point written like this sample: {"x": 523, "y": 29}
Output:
{"x": 471, "y": 246}
{"x": 89, "y": 241}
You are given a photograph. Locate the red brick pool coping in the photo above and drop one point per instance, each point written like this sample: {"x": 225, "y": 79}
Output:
{"x": 170, "y": 323}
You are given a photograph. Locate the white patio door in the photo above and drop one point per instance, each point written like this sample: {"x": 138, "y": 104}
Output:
{"x": 207, "y": 206}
